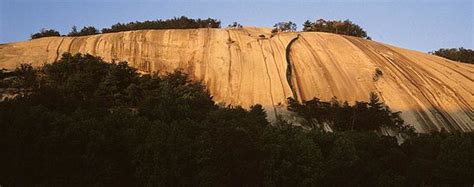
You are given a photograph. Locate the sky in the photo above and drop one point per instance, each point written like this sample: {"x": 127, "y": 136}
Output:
{"x": 423, "y": 25}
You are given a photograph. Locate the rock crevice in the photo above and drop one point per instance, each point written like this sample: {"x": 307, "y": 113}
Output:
{"x": 289, "y": 68}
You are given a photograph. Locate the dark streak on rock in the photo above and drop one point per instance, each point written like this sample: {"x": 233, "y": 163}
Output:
{"x": 289, "y": 67}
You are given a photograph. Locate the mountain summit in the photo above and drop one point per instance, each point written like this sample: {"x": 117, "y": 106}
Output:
{"x": 247, "y": 66}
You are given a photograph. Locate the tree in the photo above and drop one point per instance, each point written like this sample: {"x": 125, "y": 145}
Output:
{"x": 182, "y": 22}
{"x": 454, "y": 163}
{"x": 45, "y": 33}
{"x": 88, "y": 30}
{"x": 307, "y": 25}
{"x": 76, "y": 119}
{"x": 94, "y": 123}
{"x": 291, "y": 158}
{"x": 284, "y": 27}
{"x": 28, "y": 76}
{"x": 362, "y": 116}
{"x": 456, "y": 54}
{"x": 345, "y": 27}
{"x": 342, "y": 159}
{"x": 73, "y": 32}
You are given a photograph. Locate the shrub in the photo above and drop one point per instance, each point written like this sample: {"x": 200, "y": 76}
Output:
{"x": 45, "y": 33}
{"x": 235, "y": 25}
{"x": 89, "y": 30}
{"x": 345, "y": 27}
{"x": 377, "y": 74}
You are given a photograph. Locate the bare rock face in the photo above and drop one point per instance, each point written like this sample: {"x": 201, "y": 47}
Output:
{"x": 249, "y": 66}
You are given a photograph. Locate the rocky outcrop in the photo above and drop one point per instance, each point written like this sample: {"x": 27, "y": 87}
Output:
{"x": 249, "y": 66}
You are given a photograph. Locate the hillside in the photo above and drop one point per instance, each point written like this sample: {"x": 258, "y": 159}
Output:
{"x": 249, "y": 66}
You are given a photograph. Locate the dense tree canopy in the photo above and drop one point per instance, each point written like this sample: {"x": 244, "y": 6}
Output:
{"x": 84, "y": 122}
{"x": 340, "y": 116}
{"x": 45, "y": 33}
{"x": 345, "y": 27}
{"x": 182, "y": 22}
{"x": 456, "y": 54}
{"x": 89, "y": 30}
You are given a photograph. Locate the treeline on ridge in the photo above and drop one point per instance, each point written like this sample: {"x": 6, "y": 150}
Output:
{"x": 182, "y": 22}
{"x": 345, "y": 27}
{"x": 45, "y": 33}
{"x": 456, "y": 54}
{"x": 174, "y": 23}
{"x": 83, "y": 122}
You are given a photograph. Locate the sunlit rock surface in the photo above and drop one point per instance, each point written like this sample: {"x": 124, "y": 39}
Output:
{"x": 249, "y": 66}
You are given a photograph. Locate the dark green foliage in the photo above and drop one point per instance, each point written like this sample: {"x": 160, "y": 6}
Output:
{"x": 291, "y": 157}
{"x": 361, "y": 159}
{"x": 345, "y": 27}
{"x": 89, "y": 30}
{"x": 440, "y": 158}
{"x": 182, "y": 22}
{"x": 24, "y": 77}
{"x": 284, "y": 27}
{"x": 45, "y": 33}
{"x": 362, "y": 116}
{"x": 27, "y": 76}
{"x": 456, "y": 54}
{"x": 307, "y": 25}
{"x": 85, "y": 122}
{"x": 454, "y": 165}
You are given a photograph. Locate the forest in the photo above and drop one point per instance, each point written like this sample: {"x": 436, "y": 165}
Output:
{"x": 81, "y": 121}
{"x": 345, "y": 27}
{"x": 182, "y": 22}
{"x": 456, "y": 54}
{"x": 174, "y": 23}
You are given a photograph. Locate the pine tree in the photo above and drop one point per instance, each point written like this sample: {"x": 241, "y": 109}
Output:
{"x": 73, "y": 31}
{"x": 307, "y": 25}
